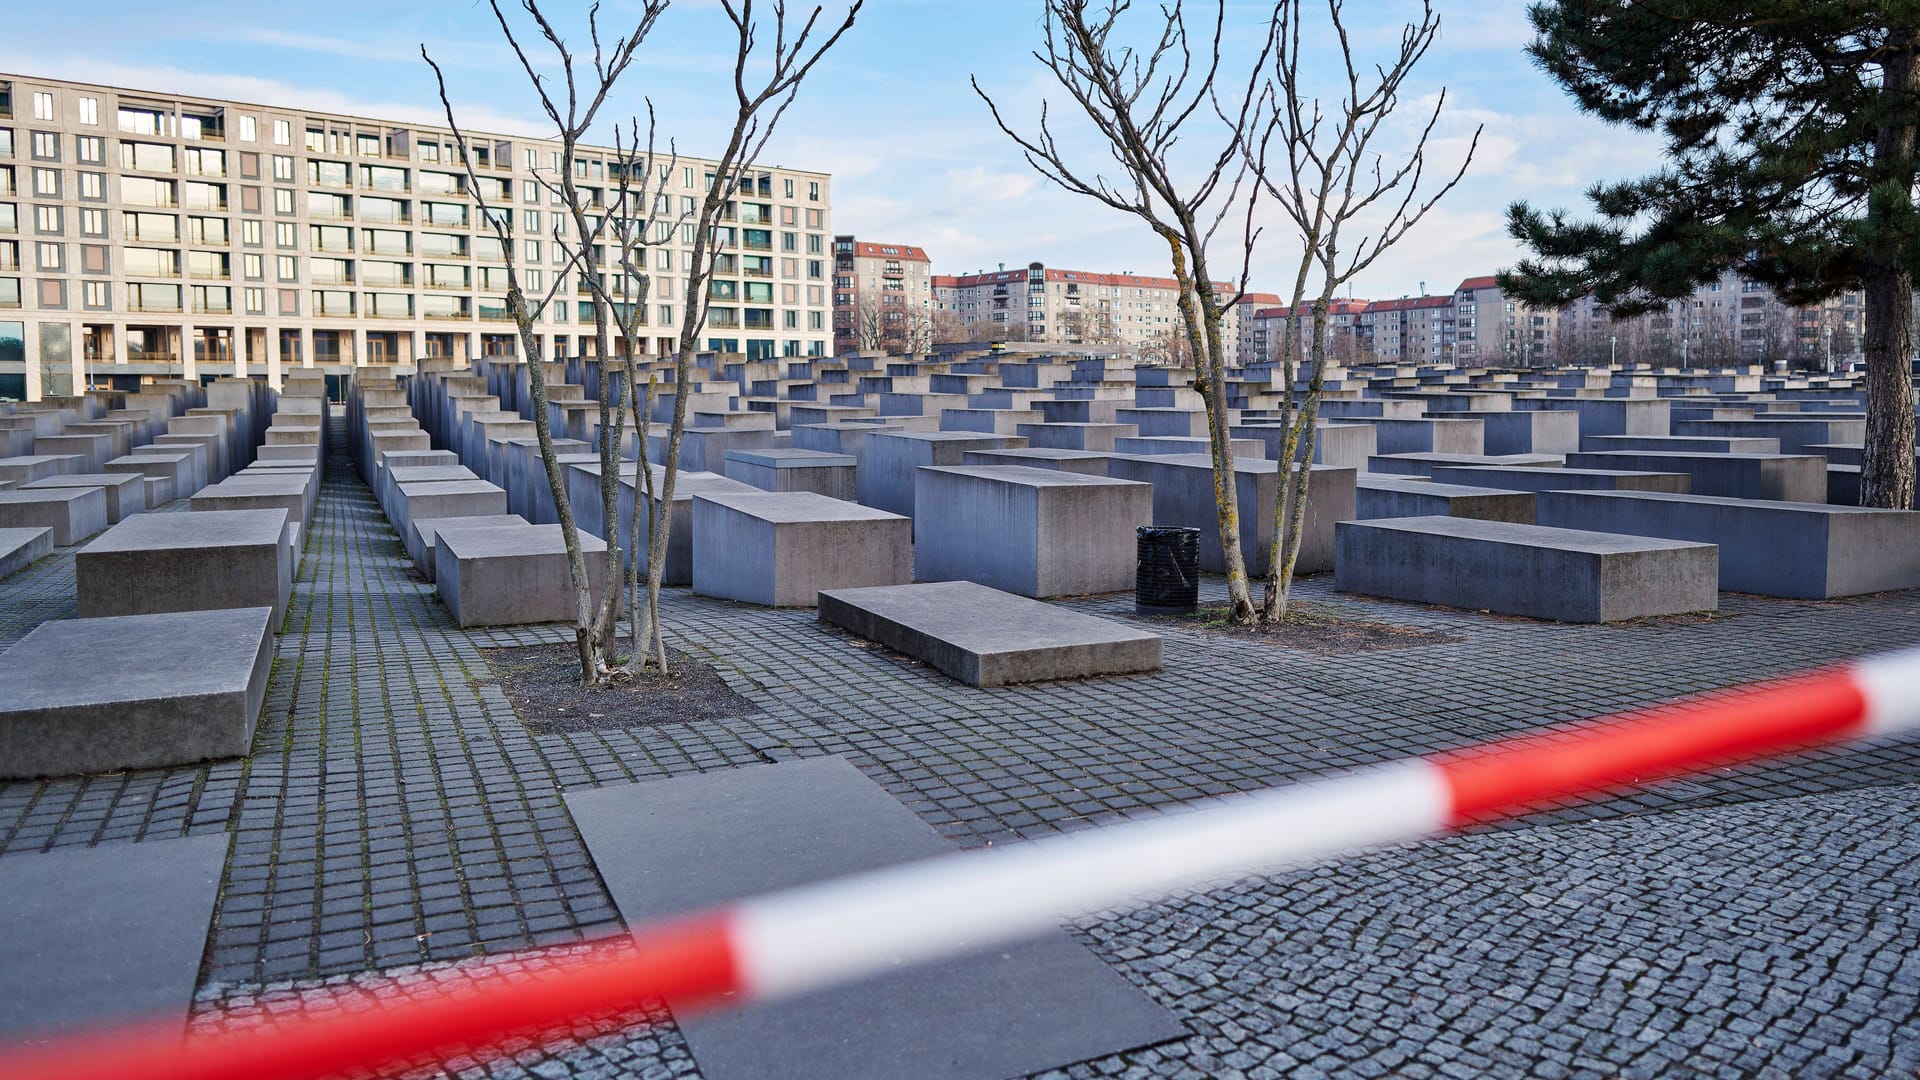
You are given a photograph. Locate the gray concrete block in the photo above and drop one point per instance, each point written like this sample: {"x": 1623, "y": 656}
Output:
{"x": 1795, "y": 434}
{"x": 126, "y": 493}
{"x": 92, "y": 450}
{"x": 430, "y": 529}
{"x": 1783, "y": 477}
{"x": 781, "y": 549}
{"x": 513, "y": 574}
{"x": 1426, "y": 436}
{"x": 1183, "y": 495}
{"x": 887, "y": 474}
{"x": 1392, "y": 497}
{"x": 176, "y": 469}
{"x": 1085, "y": 462}
{"x": 21, "y": 548}
{"x": 183, "y": 687}
{"x": 1609, "y": 416}
{"x": 832, "y": 475}
{"x": 1033, "y": 532}
{"x": 1554, "y": 478}
{"x": 1163, "y": 445}
{"x": 25, "y": 470}
{"x": 153, "y": 563}
{"x": 1424, "y": 464}
{"x": 1560, "y": 574}
{"x": 985, "y": 637}
{"x": 442, "y": 498}
{"x": 1062, "y": 435}
{"x": 72, "y": 513}
{"x": 1697, "y": 444}
{"x": 1805, "y": 550}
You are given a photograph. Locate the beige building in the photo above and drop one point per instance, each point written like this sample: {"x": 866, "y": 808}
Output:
{"x": 145, "y": 232}
{"x": 1075, "y": 307}
{"x": 882, "y": 297}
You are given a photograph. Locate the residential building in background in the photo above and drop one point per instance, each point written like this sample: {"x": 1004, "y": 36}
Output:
{"x": 1077, "y": 307}
{"x": 1410, "y": 330}
{"x": 140, "y": 229}
{"x": 882, "y": 297}
{"x": 1345, "y": 344}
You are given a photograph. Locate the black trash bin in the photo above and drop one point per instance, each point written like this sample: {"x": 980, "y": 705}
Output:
{"x": 1167, "y": 581}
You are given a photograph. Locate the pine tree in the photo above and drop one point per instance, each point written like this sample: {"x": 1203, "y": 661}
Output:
{"x": 1790, "y": 157}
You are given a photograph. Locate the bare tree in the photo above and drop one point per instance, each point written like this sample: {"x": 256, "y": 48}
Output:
{"x": 572, "y": 115}
{"x": 1142, "y": 103}
{"x": 765, "y": 83}
{"x": 1332, "y": 176}
{"x": 916, "y": 333}
{"x": 869, "y": 325}
{"x": 945, "y": 326}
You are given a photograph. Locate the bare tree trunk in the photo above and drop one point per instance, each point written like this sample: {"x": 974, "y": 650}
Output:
{"x": 1887, "y": 469}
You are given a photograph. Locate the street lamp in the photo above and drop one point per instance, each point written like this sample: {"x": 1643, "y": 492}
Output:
{"x": 1613, "y": 351}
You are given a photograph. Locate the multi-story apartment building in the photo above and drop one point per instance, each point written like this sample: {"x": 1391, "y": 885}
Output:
{"x": 1250, "y": 344}
{"x": 1344, "y": 338}
{"x": 882, "y": 297}
{"x": 1491, "y": 328}
{"x": 143, "y": 231}
{"x": 1076, "y": 307}
{"x": 1410, "y": 330}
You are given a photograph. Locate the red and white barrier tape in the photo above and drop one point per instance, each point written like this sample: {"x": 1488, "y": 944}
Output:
{"x": 800, "y": 939}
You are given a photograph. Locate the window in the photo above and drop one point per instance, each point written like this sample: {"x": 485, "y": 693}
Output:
{"x": 250, "y": 233}
{"x": 96, "y": 294}
{"x": 92, "y": 149}
{"x": 286, "y": 268}
{"x": 529, "y": 220}
{"x": 10, "y": 298}
{"x": 6, "y": 142}
{"x": 533, "y": 251}
{"x": 282, "y": 133}
{"x": 46, "y": 146}
{"x": 46, "y": 183}
{"x": 787, "y": 187}
{"x": 283, "y": 168}
{"x": 253, "y": 266}
{"x": 813, "y": 190}
{"x": 285, "y": 234}
{"x": 52, "y": 257}
{"x": 90, "y": 111}
{"x": 256, "y": 298}
{"x": 816, "y": 244}
{"x": 46, "y": 219}
{"x": 144, "y": 297}
{"x": 42, "y": 105}
{"x": 146, "y": 157}
{"x": 93, "y": 223}
{"x": 248, "y": 131}
{"x": 789, "y": 241}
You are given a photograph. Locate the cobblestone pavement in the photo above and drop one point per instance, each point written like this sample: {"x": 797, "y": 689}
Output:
{"x": 395, "y": 816}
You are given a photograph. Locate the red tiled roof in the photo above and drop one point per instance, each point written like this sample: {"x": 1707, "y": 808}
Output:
{"x": 1411, "y": 303}
{"x": 1135, "y": 281}
{"x": 1337, "y": 307}
{"x": 1472, "y": 283}
{"x": 889, "y": 251}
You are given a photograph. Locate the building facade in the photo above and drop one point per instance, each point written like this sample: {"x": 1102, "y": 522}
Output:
{"x": 882, "y": 297}
{"x": 1077, "y": 307}
{"x": 144, "y": 232}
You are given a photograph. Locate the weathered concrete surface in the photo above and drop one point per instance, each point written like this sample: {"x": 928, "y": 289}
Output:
{"x": 1782, "y": 477}
{"x": 21, "y": 548}
{"x": 513, "y": 574}
{"x": 184, "y": 687}
{"x": 1034, "y": 532}
{"x": 1807, "y": 550}
{"x": 984, "y": 637}
{"x": 781, "y": 549}
{"x": 72, "y": 513}
{"x": 1560, "y": 574}
{"x": 1393, "y": 496}
{"x": 202, "y": 561}
{"x": 126, "y": 494}
{"x": 832, "y": 475}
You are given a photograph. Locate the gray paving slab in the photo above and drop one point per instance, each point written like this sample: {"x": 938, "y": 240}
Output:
{"x": 105, "y": 934}
{"x": 677, "y": 845}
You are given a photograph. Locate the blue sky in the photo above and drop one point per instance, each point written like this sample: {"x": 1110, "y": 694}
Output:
{"x": 914, "y": 154}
